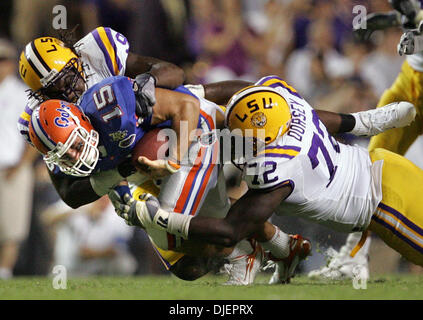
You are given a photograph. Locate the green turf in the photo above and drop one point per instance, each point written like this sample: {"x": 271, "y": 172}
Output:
{"x": 210, "y": 288}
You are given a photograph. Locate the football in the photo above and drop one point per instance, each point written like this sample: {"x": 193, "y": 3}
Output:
{"x": 150, "y": 146}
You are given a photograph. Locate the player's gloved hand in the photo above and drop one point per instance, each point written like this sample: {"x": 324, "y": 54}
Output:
{"x": 123, "y": 202}
{"x": 139, "y": 213}
{"x": 145, "y": 97}
{"x": 157, "y": 169}
{"x": 411, "y": 41}
{"x": 408, "y": 9}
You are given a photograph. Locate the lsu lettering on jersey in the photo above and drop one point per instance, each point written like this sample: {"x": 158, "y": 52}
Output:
{"x": 333, "y": 184}
{"x": 103, "y": 53}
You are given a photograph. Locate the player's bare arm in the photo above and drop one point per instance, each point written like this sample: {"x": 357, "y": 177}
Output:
{"x": 220, "y": 92}
{"x": 184, "y": 111}
{"x": 167, "y": 74}
{"x": 244, "y": 220}
{"x": 74, "y": 191}
{"x": 364, "y": 123}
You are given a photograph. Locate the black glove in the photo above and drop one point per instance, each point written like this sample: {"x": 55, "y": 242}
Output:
{"x": 144, "y": 89}
{"x": 408, "y": 10}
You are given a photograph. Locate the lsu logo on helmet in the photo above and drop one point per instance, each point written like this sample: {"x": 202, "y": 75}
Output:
{"x": 44, "y": 60}
{"x": 258, "y": 110}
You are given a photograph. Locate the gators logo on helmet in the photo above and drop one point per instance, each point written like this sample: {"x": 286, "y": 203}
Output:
{"x": 54, "y": 139}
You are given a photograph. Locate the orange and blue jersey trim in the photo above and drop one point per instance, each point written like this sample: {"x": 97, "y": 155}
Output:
{"x": 400, "y": 226}
{"x": 187, "y": 190}
{"x": 191, "y": 188}
{"x": 104, "y": 39}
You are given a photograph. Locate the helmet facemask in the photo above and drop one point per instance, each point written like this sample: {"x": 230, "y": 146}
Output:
{"x": 88, "y": 158}
{"x": 68, "y": 79}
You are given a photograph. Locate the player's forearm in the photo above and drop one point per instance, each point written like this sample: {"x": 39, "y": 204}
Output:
{"x": 336, "y": 122}
{"x": 382, "y": 20}
{"x": 75, "y": 192}
{"x": 184, "y": 122}
{"x": 167, "y": 74}
{"x": 221, "y": 92}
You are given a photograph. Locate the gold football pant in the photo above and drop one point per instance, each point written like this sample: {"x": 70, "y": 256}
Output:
{"x": 398, "y": 219}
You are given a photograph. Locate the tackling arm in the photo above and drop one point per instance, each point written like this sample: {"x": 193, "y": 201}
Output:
{"x": 221, "y": 92}
{"x": 245, "y": 218}
{"x": 75, "y": 192}
{"x": 166, "y": 74}
{"x": 370, "y": 122}
{"x": 184, "y": 111}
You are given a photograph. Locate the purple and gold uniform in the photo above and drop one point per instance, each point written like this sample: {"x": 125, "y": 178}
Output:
{"x": 103, "y": 53}
{"x": 343, "y": 187}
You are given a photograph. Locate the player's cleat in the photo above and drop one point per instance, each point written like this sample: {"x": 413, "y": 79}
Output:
{"x": 243, "y": 269}
{"x": 393, "y": 115}
{"x": 342, "y": 266}
{"x": 300, "y": 249}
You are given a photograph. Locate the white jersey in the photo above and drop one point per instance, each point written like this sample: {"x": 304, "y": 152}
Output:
{"x": 332, "y": 183}
{"x": 103, "y": 53}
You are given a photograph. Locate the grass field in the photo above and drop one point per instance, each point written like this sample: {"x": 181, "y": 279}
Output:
{"x": 389, "y": 287}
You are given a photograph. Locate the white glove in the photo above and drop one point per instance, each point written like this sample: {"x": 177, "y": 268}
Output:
{"x": 375, "y": 121}
{"x": 411, "y": 42}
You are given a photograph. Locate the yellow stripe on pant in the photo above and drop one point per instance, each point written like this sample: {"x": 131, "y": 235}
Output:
{"x": 398, "y": 219}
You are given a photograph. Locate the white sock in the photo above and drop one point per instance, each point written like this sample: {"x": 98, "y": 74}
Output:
{"x": 241, "y": 249}
{"x": 352, "y": 241}
{"x": 5, "y": 273}
{"x": 364, "y": 250}
{"x": 278, "y": 245}
{"x": 178, "y": 224}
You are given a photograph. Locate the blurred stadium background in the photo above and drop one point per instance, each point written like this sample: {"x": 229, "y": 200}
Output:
{"x": 307, "y": 42}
